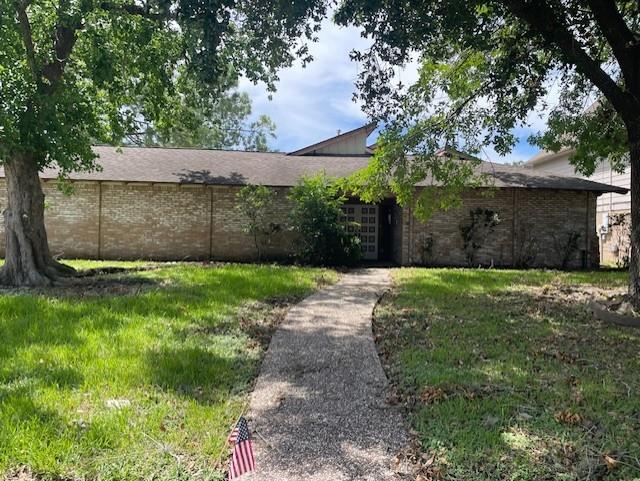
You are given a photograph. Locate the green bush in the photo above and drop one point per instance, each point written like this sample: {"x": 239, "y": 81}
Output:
{"x": 255, "y": 205}
{"x": 323, "y": 239}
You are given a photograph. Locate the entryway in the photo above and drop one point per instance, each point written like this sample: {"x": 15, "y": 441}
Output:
{"x": 365, "y": 218}
{"x": 378, "y": 226}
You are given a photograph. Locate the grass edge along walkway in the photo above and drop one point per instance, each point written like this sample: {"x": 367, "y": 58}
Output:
{"x": 138, "y": 378}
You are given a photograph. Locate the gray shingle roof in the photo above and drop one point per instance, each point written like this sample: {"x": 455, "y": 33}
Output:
{"x": 222, "y": 167}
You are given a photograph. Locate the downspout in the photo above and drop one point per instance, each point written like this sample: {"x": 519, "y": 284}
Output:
{"x": 410, "y": 228}
{"x": 514, "y": 232}
{"x": 587, "y": 262}
{"x": 99, "y": 219}
{"x": 211, "y": 224}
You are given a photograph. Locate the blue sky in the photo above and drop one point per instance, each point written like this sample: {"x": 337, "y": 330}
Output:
{"x": 312, "y": 103}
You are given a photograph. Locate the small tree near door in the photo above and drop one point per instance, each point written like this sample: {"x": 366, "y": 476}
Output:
{"x": 255, "y": 204}
{"x": 322, "y": 238}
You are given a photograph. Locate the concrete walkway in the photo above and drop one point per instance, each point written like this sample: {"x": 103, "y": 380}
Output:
{"x": 318, "y": 410}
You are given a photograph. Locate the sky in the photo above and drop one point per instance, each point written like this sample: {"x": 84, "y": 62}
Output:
{"x": 313, "y": 103}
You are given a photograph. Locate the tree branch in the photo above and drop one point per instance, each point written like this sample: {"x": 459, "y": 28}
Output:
{"x": 65, "y": 39}
{"x": 548, "y": 23}
{"x": 613, "y": 25}
{"x": 136, "y": 10}
{"x": 27, "y": 37}
{"x": 623, "y": 41}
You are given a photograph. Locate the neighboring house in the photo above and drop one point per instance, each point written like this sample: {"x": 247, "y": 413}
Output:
{"x": 157, "y": 203}
{"x": 612, "y": 207}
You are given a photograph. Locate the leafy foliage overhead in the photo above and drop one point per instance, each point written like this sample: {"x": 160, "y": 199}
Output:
{"x": 77, "y": 71}
{"x": 486, "y": 65}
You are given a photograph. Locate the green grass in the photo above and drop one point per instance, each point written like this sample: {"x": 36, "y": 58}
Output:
{"x": 492, "y": 366}
{"x": 169, "y": 341}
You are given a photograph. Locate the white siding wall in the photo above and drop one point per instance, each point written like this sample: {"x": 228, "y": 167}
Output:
{"x": 354, "y": 145}
{"x": 606, "y": 202}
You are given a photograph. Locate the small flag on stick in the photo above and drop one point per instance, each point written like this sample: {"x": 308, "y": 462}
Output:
{"x": 242, "y": 460}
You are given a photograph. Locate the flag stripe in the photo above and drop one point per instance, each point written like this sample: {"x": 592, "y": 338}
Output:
{"x": 242, "y": 458}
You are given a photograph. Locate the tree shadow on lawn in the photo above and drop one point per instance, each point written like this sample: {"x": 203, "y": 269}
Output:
{"x": 502, "y": 376}
{"x": 198, "y": 374}
{"x": 181, "y": 312}
{"x": 160, "y": 349}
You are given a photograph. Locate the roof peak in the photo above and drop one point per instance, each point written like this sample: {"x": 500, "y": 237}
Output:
{"x": 343, "y": 143}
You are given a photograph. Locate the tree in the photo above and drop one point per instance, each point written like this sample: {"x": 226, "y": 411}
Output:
{"x": 315, "y": 217}
{"x": 255, "y": 204}
{"x": 74, "y": 72}
{"x": 485, "y": 65}
{"x": 210, "y": 123}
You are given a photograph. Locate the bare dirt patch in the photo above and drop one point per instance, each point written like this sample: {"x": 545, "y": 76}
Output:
{"x": 103, "y": 281}
{"x": 575, "y": 294}
{"x": 258, "y": 319}
{"x": 611, "y": 305}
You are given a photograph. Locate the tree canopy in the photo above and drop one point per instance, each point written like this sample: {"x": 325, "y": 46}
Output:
{"x": 223, "y": 122}
{"x": 485, "y": 66}
{"x": 78, "y": 71}
{"x": 75, "y": 72}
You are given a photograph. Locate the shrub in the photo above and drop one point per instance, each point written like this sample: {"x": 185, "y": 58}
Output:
{"x": 426, "y": 250}
{"x": 566, "y": 244}
{"x": 255, "y": 204}
{"x": 481, "y": 224}
{"x": 323, "y": 239}
{"x": 527, "y": 246}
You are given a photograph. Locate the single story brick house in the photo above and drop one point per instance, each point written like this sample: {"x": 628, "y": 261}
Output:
{"x": 173, "y": 204}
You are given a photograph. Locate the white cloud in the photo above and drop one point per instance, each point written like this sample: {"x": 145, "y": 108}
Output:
{"x": 312, "y": 103}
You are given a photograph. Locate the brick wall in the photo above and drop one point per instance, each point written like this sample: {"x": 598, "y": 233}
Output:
{"x": 154, "y": 221}
{"x": 144, "y": 221}
{"x": 169, "y": 221}
{"x": 228, "y": 240}
{"x": 71, "y": 221}
{"x": 535, "y": 224}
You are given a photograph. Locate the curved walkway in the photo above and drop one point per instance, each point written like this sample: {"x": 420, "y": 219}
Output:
{"x": 318, "y": 410}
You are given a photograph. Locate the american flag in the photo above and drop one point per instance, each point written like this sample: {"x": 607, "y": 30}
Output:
{"x": 242, "y": 460}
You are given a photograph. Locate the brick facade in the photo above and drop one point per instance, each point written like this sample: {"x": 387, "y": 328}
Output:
{"x": 113, "y": 220}
{"x": 534, "y": 230}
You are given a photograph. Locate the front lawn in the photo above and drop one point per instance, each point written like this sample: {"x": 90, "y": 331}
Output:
{"x": 504, "y": 374}
{"x": 136, "y": 375}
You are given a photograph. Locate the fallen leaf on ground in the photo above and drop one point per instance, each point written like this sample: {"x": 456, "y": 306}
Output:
{"x": 431, "y": 395}
{"x": 611, "y": 462}
{"x": 567, "y": 416}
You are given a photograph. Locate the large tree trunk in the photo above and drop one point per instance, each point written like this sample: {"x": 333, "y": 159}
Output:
{"x": 28, "y": 261}
{"x": 634, "y": 263}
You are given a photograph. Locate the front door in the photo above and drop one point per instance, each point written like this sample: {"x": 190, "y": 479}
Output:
{"x": 366, "y": 219}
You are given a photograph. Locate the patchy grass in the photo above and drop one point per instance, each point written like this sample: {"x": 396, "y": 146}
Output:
{"x": 504, "y": 377}
{"x": 91, "y": 264}
{"x": 136, "y": 384}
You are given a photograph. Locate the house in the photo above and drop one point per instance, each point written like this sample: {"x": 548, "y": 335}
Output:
{"x": 611, "y": 207}
{"x": 165, "y": 203}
